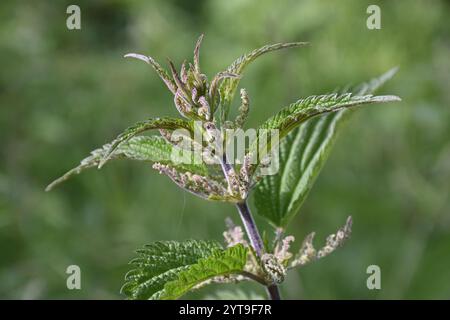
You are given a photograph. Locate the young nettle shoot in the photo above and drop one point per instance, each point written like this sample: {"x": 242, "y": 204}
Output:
{"x": 197, "y": 151}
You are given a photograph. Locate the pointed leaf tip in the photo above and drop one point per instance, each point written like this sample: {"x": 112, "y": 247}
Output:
{"x": 303, "y": 152}
{"x": 228, "y": 87}
{"x": 138, "y": 56}
{"x": 197, "y": 53}
{"x": 388, "y": 98}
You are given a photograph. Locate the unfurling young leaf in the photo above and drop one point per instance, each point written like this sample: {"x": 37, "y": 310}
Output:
{"x": 304, "y": 151}
{"x": 228, "y": 86}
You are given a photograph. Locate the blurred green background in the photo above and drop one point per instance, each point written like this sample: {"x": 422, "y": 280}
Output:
{"x": 64, "y": 93}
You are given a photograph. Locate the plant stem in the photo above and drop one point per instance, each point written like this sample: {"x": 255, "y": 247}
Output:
{"x": 273, "y": 292}
{"x": 249, "y": 224}
{"x": 256, "y": 241}
{"x": 250, "y": 227}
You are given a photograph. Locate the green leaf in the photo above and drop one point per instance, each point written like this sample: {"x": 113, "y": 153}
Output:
{"x": 142, "y": 148}
{"x": 219, "y": 263}
{"x": 156, "y": 123}
{"x": 169, "y": 269}
{"x": 161, "y": 262}
{"x": 296, "y": 113}
{"x": 304, "y": 151}
{"x": 228, "y": 86}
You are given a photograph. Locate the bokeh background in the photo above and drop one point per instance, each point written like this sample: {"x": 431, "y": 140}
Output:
{"x": 64, "y": 93}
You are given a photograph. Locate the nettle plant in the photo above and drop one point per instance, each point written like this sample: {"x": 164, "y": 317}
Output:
{"x": 305, "y": 132}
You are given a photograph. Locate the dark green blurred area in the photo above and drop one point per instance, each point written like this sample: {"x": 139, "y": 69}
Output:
{"x": 64, "y": 93}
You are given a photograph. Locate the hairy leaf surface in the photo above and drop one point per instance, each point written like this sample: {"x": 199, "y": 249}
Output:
{"x": 296, "y": 113}
{"x": 228, "y": 86}
{"x": 161, "y": 262}
{"x": 169, "y": 269}
{"x": 219, "y": 263}
{"x": 304, "y": 151}
{"x": 150, "y": 124}
{"x": 142, "y": 148}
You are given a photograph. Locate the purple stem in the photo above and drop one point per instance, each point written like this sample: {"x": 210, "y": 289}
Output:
{"x": 256, "y": 242}
{"x": 250, "y": 226}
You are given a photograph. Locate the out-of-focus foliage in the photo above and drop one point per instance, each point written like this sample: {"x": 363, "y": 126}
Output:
{"x": 64, "y": 93}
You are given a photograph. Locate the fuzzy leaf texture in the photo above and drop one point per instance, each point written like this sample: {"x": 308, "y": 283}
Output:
{"x": 228, "y": 86}
{"x": 161, "y": 262}
{"x": 142, "y": 148}
{"x": 169, "y": 269}
{"x": 298, "y": 112}
{"x": 305, "y": 150}
{"x": 142, "y": 126}
{"x": 219, "y": 263}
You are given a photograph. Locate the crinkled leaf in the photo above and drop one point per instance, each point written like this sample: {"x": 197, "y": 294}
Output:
{"x": 169, "y": 269}
{"x": 161, "y": 262}
{"x": 219, "y": 263}
{"x": 296, "y": 113}
{"x": 228, "y": 86}
{"x": 303, "y": 153}
{"x": 142, "y": 148}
